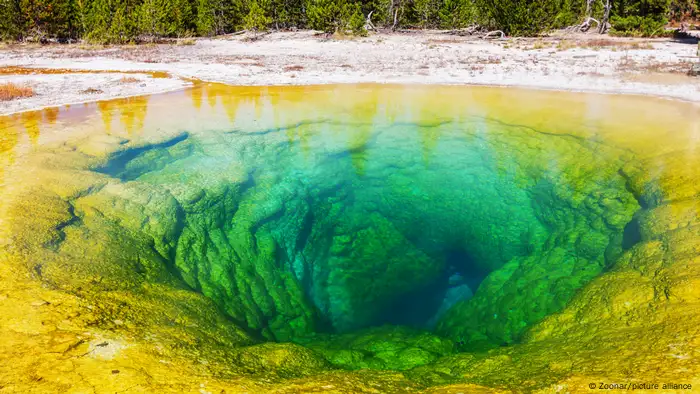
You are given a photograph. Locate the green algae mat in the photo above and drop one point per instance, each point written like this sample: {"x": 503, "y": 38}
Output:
{"x": 348, "y": 239}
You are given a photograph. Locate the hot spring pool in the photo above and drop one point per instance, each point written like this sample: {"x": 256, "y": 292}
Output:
{"x": 507, "y": 238}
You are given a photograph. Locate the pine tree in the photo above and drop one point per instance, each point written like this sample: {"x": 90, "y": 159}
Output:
{"x": 121, "y": 21}
{"x": 329, "y": 16}
{"x": 206, "y": 18}
{"x": 357, "y": 22}
{"x": 218, "y": 16}
{"x": 112, "y": 21}
{"x": 427, "y": 12}
{"x": 98, "y": 20}
{"x": 520, "y": 17}
{"x": 10, "y": 20}
{"x": 182, "y": 16}
{"x": 639, "y": 17}
{"x": 44, "y": 19}
{"x": 682, "y": 10}
{"x": 455, "y": 14}
{"x": 284, "y": 13}
{"x": 256, "y": 20}
{"x": 156, "y": 19}
{"x": 80, "y": 15}
{"x": 121, "y": 29}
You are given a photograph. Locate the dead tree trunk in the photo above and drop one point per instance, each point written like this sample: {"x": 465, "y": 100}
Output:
{"x": 396, "y": 14}
{"x": 589, "y": 6}
{"x": 493, "y": 33}
{"x": 587, "y": 23}
{"x": 603, "y": 27}
{"x": 368, "y": 23}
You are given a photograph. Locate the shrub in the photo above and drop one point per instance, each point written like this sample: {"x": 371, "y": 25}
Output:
{"x": 215, "y": 17}
{"x": 186, "y": 41}
{"x": 331, "y": 16}
{"x": 427, "y": 12}
{"x": 256, "y": 21}
{"x": 10, "y": 91}
{"x": 45, "y": 19}
{"x": 357, "y": 22}
{"x": 125, "y": 21}
{"x": 153, "y": 19}
{"x": 520, "y": 17}
{"x": 572, "y": 12}
{"x": 637, "y": 26}
{"x": 126, "y": 79}
{"x": 455, "y": 14}
{"x": 682, "y": 10}
{"x": 10, "y": 20}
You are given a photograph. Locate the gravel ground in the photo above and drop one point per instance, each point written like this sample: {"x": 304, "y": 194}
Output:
{"x": 576, "y": 62}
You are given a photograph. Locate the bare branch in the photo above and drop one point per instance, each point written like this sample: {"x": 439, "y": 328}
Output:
{"x": 368, "y": 23}
{"x": 238, "y": 33}
{"x": 603, "y": 27}
{"x": 491, "y": 33}
{"x": 469, "y": 30}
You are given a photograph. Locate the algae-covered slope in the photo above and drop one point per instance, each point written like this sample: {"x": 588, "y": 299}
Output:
{"x": 516, "y": 233}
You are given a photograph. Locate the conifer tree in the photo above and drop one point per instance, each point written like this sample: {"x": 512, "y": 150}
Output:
{"x": 639, "y": 17}
{"x": 206, "y": 18}
{"x": 218, "y": 16}
{"x": 98, "y": 20}
{"x": 284, "y": 13}
{"x": 156, "y": 19}
{"x": 122, "y": 27}
{"x": 10, "y": 20}
{"x": 126, "y": 20}
{"x": 427, "y": 12}
{"x": 44, "y": 19}
{"x": 80, "y": 17}
{"x": 256, "y": 21}
{"x": 357, "y": 22}
{"x": 519, "y": 17}
{"x": 182, "y": 17}
{"x": 455, "y": 14}
{"x": 329, "y": 16}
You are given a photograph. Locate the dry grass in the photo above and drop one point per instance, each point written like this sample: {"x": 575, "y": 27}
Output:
{"x": 92, "y": 47}
{"x": 491, "y": 60}
{"x": 539, "y": 45}
{"x": 602, "y": 43}
{"x": 591, "y": 74}
{"x": 186, "y": 41}
{"x": 126, "y": 79}
{"x": 92, "y": 91}
{"x": 605, "y": 43}
{"x": 340, "y": 36}
{"x": 10, "y": 91}
{"x": 293, "y": 68}
{"x": 681, "y": 67}
{"x": 443, "y": 41}
{"x": 629, "y": 65}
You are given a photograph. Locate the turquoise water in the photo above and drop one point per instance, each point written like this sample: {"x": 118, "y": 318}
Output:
{"x": 299, "y": 215}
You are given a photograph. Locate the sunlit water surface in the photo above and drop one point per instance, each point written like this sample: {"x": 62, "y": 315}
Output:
{"x": 471, "y": 212}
